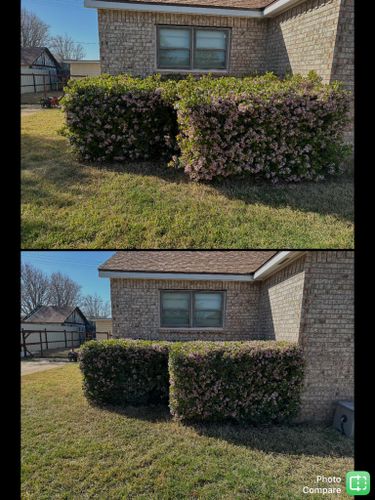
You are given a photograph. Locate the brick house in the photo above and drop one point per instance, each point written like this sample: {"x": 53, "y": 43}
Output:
{"x": 238, "y": 37}
{"x": 299, "y": 296}
{"x": 228, "y": 37}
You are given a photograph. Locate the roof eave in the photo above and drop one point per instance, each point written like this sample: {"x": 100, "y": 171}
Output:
{"x": 105, "y": 273}
{"x": 271, "y": 10}
{"x": 174, "y": 9}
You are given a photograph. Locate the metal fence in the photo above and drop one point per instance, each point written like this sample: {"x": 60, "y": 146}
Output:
{"x": 38, "y": 342}
{"x": 44, "y": 82}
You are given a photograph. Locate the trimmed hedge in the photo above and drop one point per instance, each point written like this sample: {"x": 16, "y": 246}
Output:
{"x": 115, "y": 118}
{"x": 255, "y": 382}
{"x": 125, "y": 372}
{"x": 281, "y": 130}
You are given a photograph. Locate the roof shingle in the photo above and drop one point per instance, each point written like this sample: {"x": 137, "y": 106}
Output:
{"x": 188, "y": 261}
{"x": 49, "y": 314}
{"x": 228, "y": 4}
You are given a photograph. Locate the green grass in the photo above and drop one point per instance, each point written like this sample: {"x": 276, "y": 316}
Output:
{"x": 68, "y": 204}
{"x": 72, "y": 450}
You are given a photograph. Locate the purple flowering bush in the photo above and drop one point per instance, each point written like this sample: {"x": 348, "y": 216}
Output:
{"x": 125, "y": 372}
{"x": 120, "y": 118}
{"x": 255, "y": 382}
{"x": 281, "y": 130}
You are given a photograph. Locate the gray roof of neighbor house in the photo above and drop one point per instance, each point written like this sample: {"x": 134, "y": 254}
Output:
{"x": 187, "y": 261}
{"x": 231, "y": 4}
{"x": 51, "y": 314}
{"x": 30, "y": 54}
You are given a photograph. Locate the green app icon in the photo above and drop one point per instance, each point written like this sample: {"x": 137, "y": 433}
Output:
{"x": 357, "y": 483}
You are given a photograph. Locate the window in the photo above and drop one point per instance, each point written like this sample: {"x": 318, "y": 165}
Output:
{"x": 192, "y": 48}
{"x": 191, "y": 309}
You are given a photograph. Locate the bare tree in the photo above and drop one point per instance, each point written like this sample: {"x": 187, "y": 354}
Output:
{"x": 94, "y": 306}
{"x": 34, "y": 288}
{"x": 34, "y": 32}
{"x": 64, "y": 47}
{"x": 63, "y": 291}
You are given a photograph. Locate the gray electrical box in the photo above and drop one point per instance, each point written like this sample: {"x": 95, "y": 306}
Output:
{"x": 344, "y": 418}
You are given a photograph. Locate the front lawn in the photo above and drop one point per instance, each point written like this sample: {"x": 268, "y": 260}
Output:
{"x": 73, "y": 450}
{"x": 68, "y": 204}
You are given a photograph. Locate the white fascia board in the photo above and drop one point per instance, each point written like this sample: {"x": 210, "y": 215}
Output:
{"x": 279, "y": 6}
{"x": 175, "y": 276}
{"x": 272, "y": 10}
{"x": 273, "y": 264}
{"x": 174, "y": 9}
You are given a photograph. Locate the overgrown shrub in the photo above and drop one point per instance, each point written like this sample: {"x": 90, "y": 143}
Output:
{"x": 125, "y": 372}
{"x": 212, "y": 127}
{"x": 115, "y": 118}
{"x": 288, "y": 130}
{"x": 255, "y": 382}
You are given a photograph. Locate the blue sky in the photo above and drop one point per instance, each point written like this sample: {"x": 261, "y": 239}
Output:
{"x": 70, "y": 17}
{"x": 81, "y": 266}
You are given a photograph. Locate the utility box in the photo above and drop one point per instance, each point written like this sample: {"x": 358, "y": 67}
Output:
{"x": 344, "y": 418}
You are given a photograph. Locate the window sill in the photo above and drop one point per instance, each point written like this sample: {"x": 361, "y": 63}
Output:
{"x": 195, "y": 329}
{"x": 197, "y": 71}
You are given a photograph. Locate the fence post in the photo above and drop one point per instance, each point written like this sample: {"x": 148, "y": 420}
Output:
{"x": 41, "y": 343}
{"x": 66, "y": 343}
{"x": 44, "y": 85}
{"x": 46, "y": 338}
{"x": 34, "y": 83}
{"x": 71, "y": 334}
{"x": 50, "y": 80}
{"x": 24, "y": 343}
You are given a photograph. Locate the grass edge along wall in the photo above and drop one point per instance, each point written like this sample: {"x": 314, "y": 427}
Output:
{"x": 309, "y": 301}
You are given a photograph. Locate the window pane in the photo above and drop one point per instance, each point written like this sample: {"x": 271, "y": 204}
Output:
{"x": 174, "y": 58}
{"x": 175, "y": 309}
{"x": 174, "y": 38}
{"x": 207, "y": 318}
{"x": 206, "y": 39}
{"x": 208, "y": 309}
{"x": 210, "y": 301}
{"x": 175, "y": 300}
{"x": 206, "y": 59}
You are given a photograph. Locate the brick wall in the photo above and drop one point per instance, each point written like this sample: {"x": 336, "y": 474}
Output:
{"x": 303, "y": 38}
{"x": 281, "y": 302}
{"x": 327, "y": 332}
{"x": 136, "y": 310}
{"x": 315, "y": 35}
{"x": 128, "y": 40}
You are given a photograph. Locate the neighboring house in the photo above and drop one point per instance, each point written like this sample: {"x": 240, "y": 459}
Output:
{"x": 39, "y": 70}
{"x": 299, "y": 296}
{"x": 54, "y": 321}
{"x": 81, "y": 68}
{"x": 234, "y": 37}
{"x": 103, "y": 328}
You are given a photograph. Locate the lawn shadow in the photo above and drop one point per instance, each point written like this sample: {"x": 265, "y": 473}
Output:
{"x": 151, "y": 413}
{"x": 294, "y": 439}
{"x": 64, "y": 169}
{"x": 333, "y": 196}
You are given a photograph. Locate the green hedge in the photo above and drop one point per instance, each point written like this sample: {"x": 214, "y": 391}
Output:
{"x": 280, "y": 130}
{"x": 255, "y": 382}
{"x": 120, "y": 118}
{"x": 212, "y": 127}
{"x": 125, "y": 372}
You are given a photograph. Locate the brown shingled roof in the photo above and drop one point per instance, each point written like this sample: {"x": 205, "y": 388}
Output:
{"x": 50, "y": 314}
{"x": 187, "y": 261}
{"x": 228, "y": 4}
